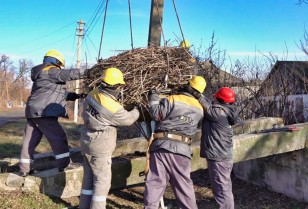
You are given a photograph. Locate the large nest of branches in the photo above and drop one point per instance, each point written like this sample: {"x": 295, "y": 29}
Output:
{"x": 161, "y": 68}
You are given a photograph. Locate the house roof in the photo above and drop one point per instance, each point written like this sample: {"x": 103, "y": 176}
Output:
{"x": 294, "y": 74}
{"x": 299, "y": 68}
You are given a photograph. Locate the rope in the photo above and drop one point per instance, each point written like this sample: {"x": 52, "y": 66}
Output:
{"x": 177, "y": 16}
{"x": 130, "y": 23}
{"x": 100, "y": 44}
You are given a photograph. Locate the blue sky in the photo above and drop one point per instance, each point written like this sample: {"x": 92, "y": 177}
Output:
{"x": 242, "y": 27}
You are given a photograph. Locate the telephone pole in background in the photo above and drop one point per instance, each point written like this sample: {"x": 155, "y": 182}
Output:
{"x": 79, "y": 44}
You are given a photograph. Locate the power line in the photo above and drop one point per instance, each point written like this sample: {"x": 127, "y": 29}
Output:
{"x": 43, "y": 36}
{"x": 55, "y": 42}
{"x": 92, "y": 45}
{"x": 94, "y": 16}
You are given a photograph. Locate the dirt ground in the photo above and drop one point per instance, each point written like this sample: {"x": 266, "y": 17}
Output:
{"x": 247, "y": 196}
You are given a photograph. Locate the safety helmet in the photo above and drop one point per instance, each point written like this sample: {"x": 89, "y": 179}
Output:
{"x": 57, "y": 55}
{"x": 198, "y": 83}
{"x": 226, "y": 94}
{"x": 185, "y": 44}
{"x": 113, "y": 76}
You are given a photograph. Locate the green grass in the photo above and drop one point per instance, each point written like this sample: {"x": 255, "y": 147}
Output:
{"x": 27, "y": 200}
{"x": 11, "y": 137}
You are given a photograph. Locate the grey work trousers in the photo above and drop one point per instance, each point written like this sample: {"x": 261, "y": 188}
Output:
{"x": 33, "y": 133}
{"x": 220, "y": 177}
{"x": 96, "y": 182}
{"x": 169, "y": 167}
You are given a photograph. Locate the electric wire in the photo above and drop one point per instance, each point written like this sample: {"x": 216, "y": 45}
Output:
{"x": 92, "y": 43}
{"x": 86, "y": 43}
{"x": 73, "y": 49}
{"x": 95, "y": 19}
{"x": 43, "y": 36}
{"x": 96, "y": 12}
{"x": 92, "y": 23}
{"x": 55, "y": 42}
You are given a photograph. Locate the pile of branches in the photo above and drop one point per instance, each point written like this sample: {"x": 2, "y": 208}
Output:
{"x": 161, "y": 68}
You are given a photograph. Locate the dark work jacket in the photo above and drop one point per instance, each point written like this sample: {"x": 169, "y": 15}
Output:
{"x": 216, "y": 140}
{"x": 179, "y": 114}
{"x": 48, "y": 94}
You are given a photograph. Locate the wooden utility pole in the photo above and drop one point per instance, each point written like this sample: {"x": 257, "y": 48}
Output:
{"x": 79, "y": 44}
{"x": 156, "y": 20}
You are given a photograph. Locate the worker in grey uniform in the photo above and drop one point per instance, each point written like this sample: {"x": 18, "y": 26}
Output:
{"x": 216, "y": 143}
{"x": 177, "y": 117}
{"x": 45, "y": 105}
{"x": 102, "y": 114}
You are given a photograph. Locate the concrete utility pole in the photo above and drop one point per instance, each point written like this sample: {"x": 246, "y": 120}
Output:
{"x": 156, "y": 20}
{"x": 155, "y": 29}
{"x": 79, "y": 44}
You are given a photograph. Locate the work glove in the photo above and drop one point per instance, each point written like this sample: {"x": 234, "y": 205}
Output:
{"x": 153, "y": 96}
{"x": 82, "y": 96}
{"x": 72, "y": 96}
{"x": 138, "y": 106}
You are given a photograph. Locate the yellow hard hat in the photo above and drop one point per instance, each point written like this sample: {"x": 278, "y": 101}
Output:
{"x": 185, "y": 44}
{"x": 198, "y": 83}
{"x": 113, "y": 76}
{"x": 57, "y": 55}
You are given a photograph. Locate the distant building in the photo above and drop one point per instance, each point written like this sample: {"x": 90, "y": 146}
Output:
{"x": 289, "y": 77}
{"x": 285, "y": 91}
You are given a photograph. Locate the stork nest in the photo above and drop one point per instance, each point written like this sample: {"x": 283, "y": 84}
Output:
{"x": 160, "y": 68}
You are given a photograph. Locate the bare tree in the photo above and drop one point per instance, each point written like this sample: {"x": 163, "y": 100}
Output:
{"x": 304, "y": 43}
{"x": 22, "y": 80}
{"x": 210, "y": 61}
{"x": 302, "y": 2}
{"x": 252, "y": 72}
{"x": 7, "y": 73}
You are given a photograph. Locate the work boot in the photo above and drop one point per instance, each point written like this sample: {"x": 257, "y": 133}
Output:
{"x": 25, "y": 174}
{"x": 70, "y": 166}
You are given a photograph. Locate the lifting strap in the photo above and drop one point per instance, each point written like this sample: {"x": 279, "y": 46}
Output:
{"x": 103, "y": 28}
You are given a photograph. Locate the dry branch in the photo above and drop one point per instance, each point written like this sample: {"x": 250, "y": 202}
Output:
{"x": 147, "y": 68}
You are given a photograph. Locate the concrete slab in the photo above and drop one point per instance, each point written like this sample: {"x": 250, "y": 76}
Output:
{"x": 137, "y": 146}
{"x": 14, "y": 180}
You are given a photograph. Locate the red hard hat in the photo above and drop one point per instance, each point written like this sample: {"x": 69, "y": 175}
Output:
{"x": 226, "y": 94}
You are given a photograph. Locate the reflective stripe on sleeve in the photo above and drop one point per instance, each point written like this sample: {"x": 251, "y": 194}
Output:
{"x": 86, "y": 192}
{"x": 24, "y": 160}
{"x": 63, "y": 155}
{"x": 154, "y": 103}
{"x": 98, "y": 198}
